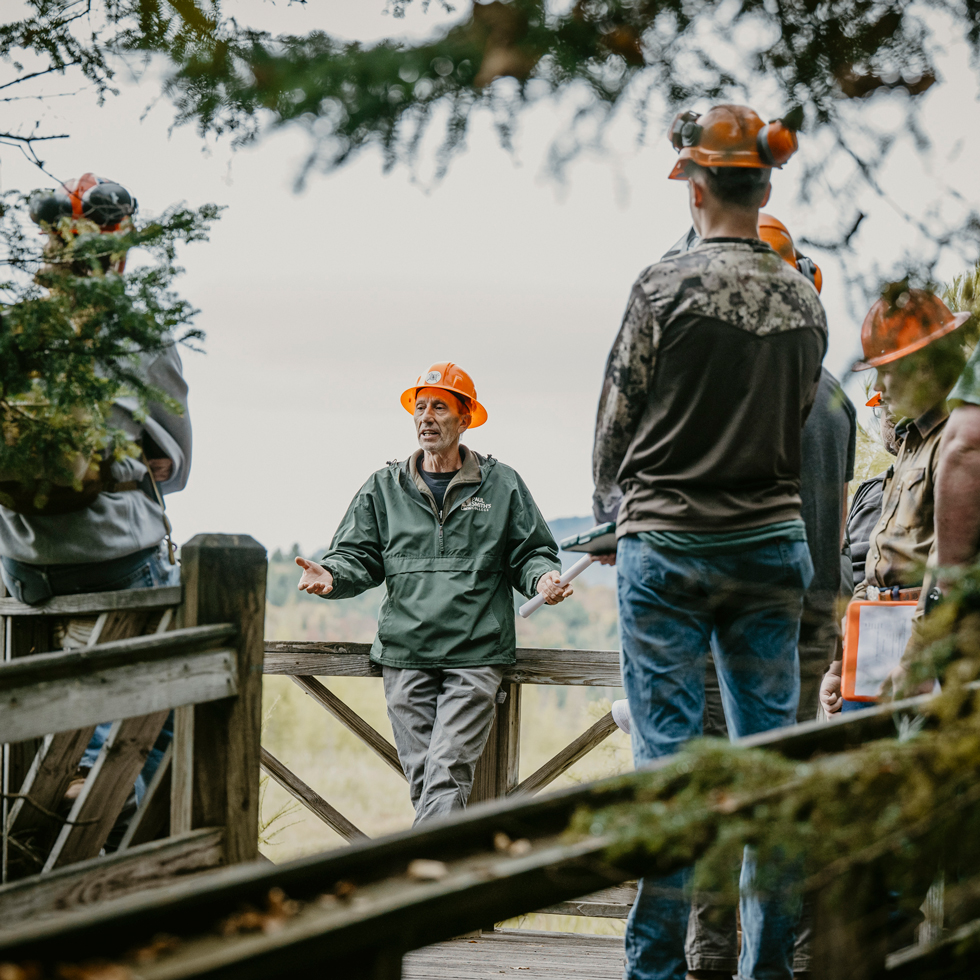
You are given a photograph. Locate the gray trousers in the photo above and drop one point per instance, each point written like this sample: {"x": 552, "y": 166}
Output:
{"x": 712, "y": 939}
{"x": 441, "y": 720}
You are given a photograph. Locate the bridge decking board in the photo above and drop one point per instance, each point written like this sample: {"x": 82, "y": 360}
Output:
{"x": 519, "y": 953}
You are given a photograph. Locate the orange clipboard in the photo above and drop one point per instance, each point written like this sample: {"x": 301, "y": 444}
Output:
{"x": 875, "y": 635}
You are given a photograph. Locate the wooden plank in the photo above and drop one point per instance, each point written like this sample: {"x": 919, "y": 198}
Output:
{"x": 139, "y": 868}
{"x": 182, "y": 771}
{"x": 95, "y": 602}
{"x": 224, "y": 581}
{"x": 609, "y": 903}
{"x": 28, "y": 638}
{"x": 351, "y": 720}
{"x": 152, "y": 818}
{"x": 57, "y": 760}
{"x": 496, "y": 769}
{"x": 310, "y": 798}
{"x": 479, "y": 883}
{"x": 588, "y": 668}
{"x": 568, "y": 756}
{"x": 593, "y": 668}
{"x": 537, "y": 955}
{"x": 106, "y": 789}
{"x": 319, "y": 659}
{"x": 31, "y": 819}
{"x": 40, "y": 707}
{"x": 66, "y": 664}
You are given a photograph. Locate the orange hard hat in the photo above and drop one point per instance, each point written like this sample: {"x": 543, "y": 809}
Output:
{"x": 776, "y": 235}
{"x": 894, "y": 329}
{"x": 732, "y": 136}
{"x": 449, "y": 377}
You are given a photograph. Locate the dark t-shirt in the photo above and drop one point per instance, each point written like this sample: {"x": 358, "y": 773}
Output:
{"x": 437, "y": 483}
{"x": 827, "y": 463}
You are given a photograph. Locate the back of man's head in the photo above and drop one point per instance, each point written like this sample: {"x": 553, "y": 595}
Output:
{"x": 737, "y": 187}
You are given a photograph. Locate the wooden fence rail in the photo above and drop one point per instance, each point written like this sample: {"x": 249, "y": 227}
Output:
{"x": 355, "y": 911}
{"x": 131, "y": 658}
{"x": 497, "y": 771}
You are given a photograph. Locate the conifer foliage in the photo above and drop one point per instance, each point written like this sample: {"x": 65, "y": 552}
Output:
{"x": 74, "y": 334}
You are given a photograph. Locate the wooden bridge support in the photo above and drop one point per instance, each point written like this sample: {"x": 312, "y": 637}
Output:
{"x": 224, "y": 581}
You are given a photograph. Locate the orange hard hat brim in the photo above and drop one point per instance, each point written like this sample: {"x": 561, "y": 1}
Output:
{"x": 478, "y": 414}
{"x": 872, "y": 362}
{"x": 717, "y": 158}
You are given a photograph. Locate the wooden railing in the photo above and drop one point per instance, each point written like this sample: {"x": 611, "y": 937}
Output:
{"x": 129, "y": 658}
{"x": 355, "y": 911}
{"x": 497, "y": 771}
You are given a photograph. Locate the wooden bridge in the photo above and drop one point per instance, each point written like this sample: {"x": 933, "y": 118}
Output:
{"x": 182, "y": 895}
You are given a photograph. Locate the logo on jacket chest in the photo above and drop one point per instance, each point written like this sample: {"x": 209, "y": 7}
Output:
{"x": 475, "y": 503}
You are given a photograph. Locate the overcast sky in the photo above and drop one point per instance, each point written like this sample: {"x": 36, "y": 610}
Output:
{"x": 320, "y": 307}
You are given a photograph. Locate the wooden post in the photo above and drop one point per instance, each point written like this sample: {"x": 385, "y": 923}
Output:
{"x": 497, "y": 771}
{"x": 224, "y": 582}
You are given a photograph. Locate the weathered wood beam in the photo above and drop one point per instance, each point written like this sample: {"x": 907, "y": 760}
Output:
{"x": 224, "y": 579}
{"x": 31, "y": 818}
{"x": 352, "y": 721}
{"x": 568, "y": 756}
{"x": 496, "y": 769}
{"x": 310, "y": 798}
{"x": 319, "y": 659}
{"x": 153, "y": 814}
{"x": 39, "y": 705}
{"x": 88, "y": 882}
{"x": 591, "y": 668}
{"x": 96, "y": 602}
{"x": 68, "y": 664}
{"x": 106, "y": 789}
{"x": 610, "y": 903}
{"x": 479, "y": 883}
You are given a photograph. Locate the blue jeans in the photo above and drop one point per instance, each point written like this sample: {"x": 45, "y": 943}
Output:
{"x": 156, "y": 571}
{"x": 747, "y": 608}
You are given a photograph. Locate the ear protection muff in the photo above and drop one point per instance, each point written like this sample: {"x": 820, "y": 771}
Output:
{"x": 103, "y": 202}
{"x": 49, "y": 206}
{"x": 107, "y": 203}
{"x": 684, "y": 130}
{"x": 776, "y": 142}
{"x": 810, "y": 269}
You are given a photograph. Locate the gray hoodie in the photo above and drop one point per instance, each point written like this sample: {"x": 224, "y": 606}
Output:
{"x": 116, "y": 524}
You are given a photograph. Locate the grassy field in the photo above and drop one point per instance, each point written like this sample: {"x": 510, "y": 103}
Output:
{"x": 347, "y": 774}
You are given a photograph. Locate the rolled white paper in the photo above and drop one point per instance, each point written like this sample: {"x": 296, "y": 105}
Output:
{"x": 538, "y": 601}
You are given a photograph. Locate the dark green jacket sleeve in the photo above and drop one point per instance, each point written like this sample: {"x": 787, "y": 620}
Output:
{"x": 531, "y": 547}
{"x": 355, "y": 558}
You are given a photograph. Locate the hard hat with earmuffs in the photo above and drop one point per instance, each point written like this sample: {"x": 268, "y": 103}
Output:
{"x": 776, "y": 235}
{"x": 103, "y": 202}
{"x": 732, "y": 136}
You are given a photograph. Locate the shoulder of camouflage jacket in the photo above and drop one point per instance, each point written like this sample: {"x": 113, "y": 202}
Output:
{"x": 742, "y": 285}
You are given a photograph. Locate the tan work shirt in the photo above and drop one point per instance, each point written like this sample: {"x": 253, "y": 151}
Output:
{"x": 905, "y": 536}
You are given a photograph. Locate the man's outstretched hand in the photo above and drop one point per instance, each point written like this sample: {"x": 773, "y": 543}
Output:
{"x": 315, "y": 578}
{"x": 550, "y": 588}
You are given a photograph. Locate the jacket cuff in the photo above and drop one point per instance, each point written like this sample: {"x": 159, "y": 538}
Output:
{"x": 535, "y": 577}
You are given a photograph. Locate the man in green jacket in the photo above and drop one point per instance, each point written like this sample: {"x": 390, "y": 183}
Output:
{"x": 452, "y": 534}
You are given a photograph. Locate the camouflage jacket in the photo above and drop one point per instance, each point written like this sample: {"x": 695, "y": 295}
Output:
{"x": 707, "y": 387}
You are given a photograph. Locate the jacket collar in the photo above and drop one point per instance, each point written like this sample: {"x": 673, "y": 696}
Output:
{"x": 469, "y": 472}
{"x": 929, "y": 421}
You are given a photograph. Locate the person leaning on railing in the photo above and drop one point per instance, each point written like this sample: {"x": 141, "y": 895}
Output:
{"x": 917, "y": 346}
{"x": 451, "y": 534}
